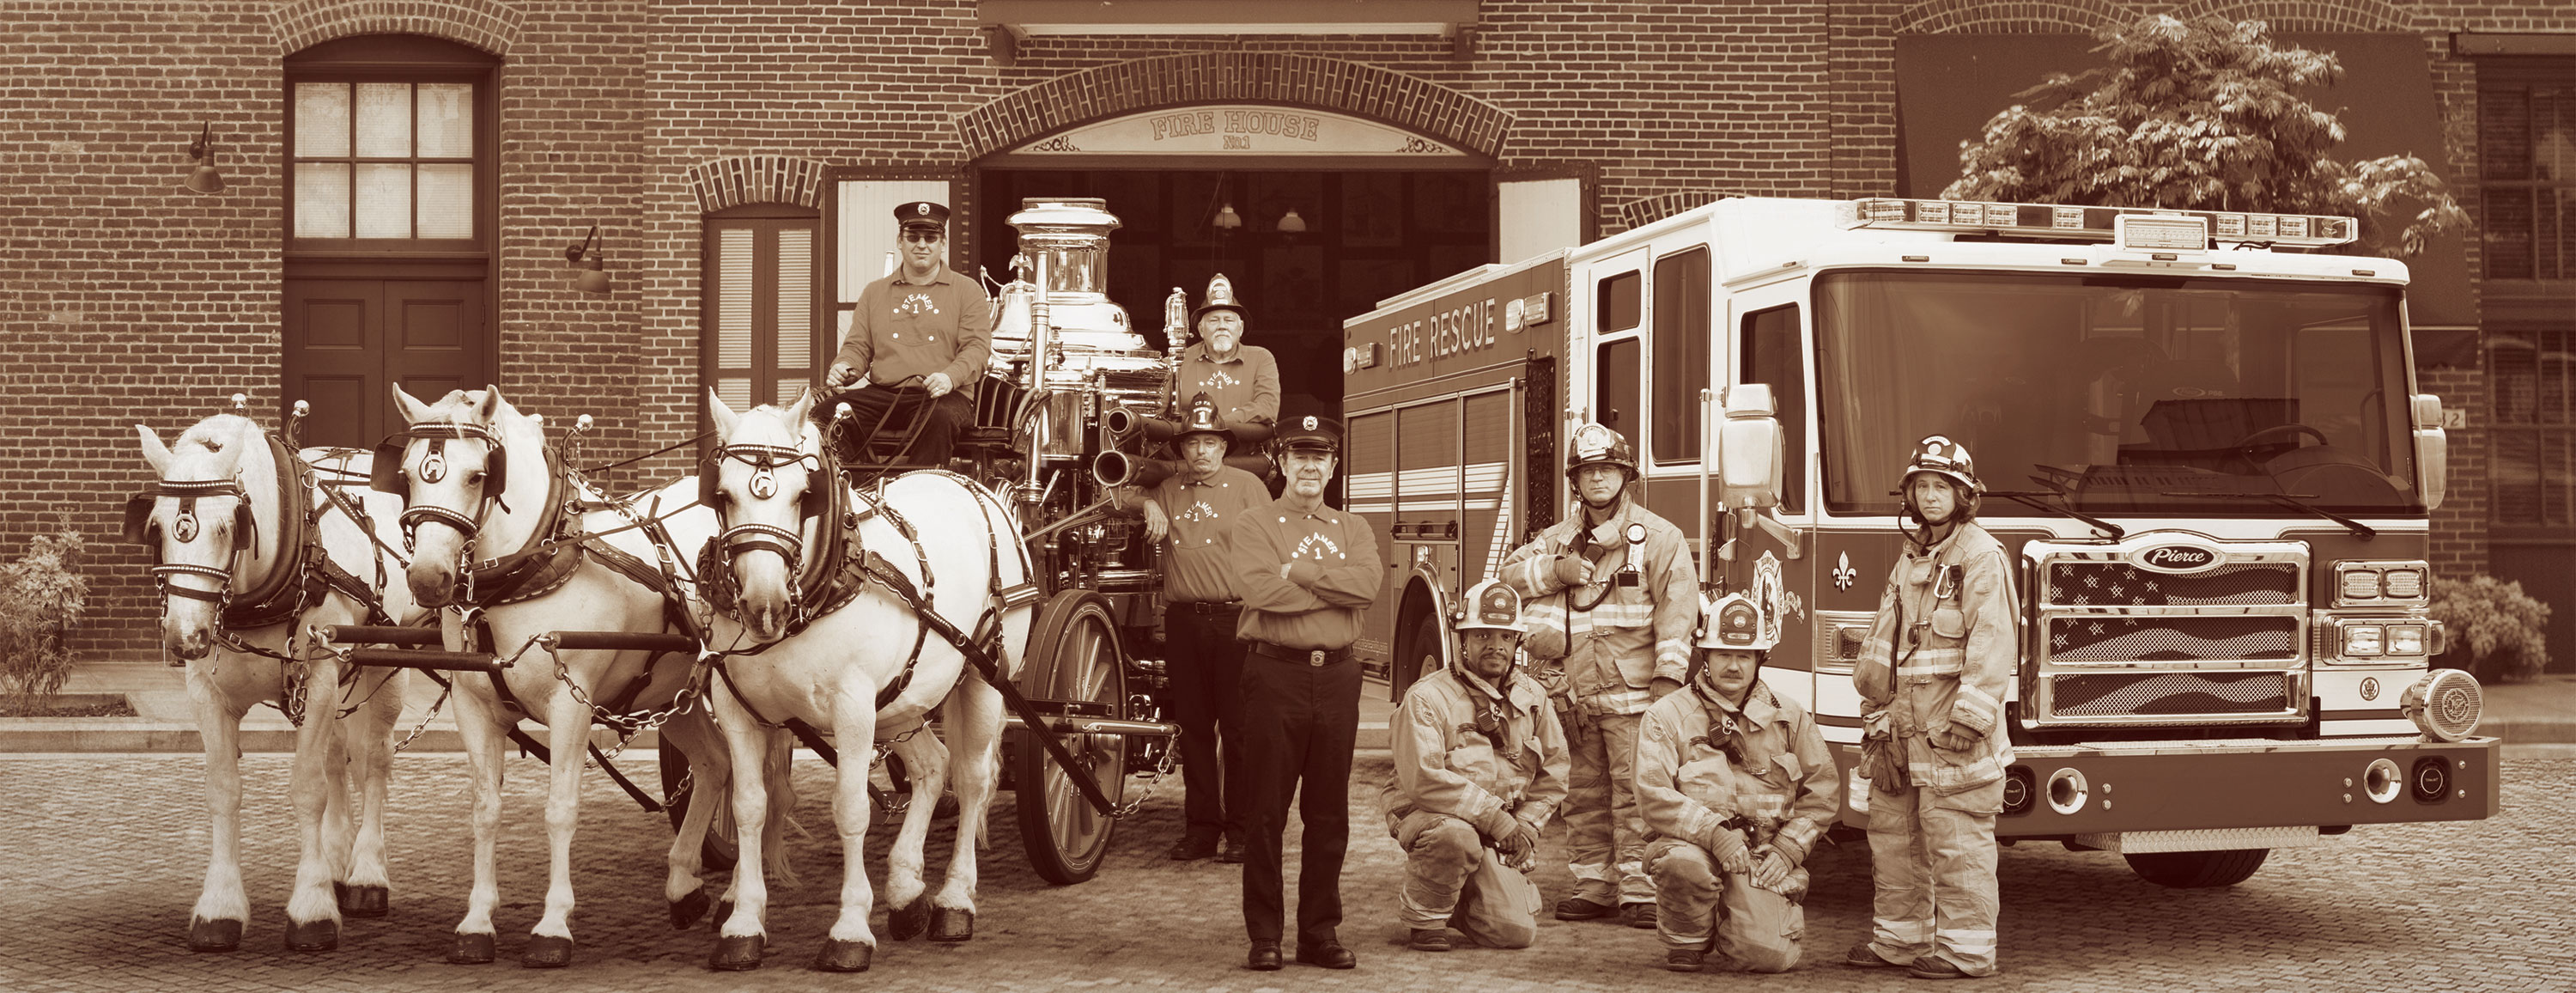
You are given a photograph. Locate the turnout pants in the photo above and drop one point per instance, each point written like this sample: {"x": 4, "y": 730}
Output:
{"x": 1205, "y": 663}
{"x": 1300, "y": 722}
{"x": 1605, "y": 839}
{"x": 1452, "y": 880}
{"x": 1934, "y": 865}
{"x": 1756, "y": 929}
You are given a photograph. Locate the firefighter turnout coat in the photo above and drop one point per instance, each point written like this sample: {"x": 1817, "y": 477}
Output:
{"x": 1939, "y": 654}
{"x": 1630, "y": 635}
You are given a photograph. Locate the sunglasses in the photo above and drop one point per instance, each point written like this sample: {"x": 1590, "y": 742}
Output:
{"x": 924, "y": 237}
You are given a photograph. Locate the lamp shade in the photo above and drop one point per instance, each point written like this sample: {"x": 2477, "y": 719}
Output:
{"x": 205, "y": 179}
{"x": 593, "y": 277}
{"x": 1227, "y": 219}
{"x": 1290, "y": 223}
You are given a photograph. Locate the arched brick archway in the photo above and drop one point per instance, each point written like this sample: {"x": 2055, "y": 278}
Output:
{"x": 749, "y": 179}
{"x": 2361, "y": 16}
{"x": 490, "y": 25}
{"x": 1392, "y": 98}
{"x": 2088, "y": 16}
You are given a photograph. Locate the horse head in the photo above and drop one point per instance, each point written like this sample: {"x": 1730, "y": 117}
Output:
{"x": 767, "y": 483}
{"x": 199, "y": 520}
{"x": 451, "y": 466}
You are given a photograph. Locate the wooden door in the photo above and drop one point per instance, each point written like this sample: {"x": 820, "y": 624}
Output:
{"x": 348, "y": 340}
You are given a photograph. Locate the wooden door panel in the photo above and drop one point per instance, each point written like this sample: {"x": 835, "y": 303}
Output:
{"x": 347, "y": 339}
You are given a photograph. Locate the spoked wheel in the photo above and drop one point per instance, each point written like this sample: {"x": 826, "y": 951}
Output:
{"x": 717, "y": 851}
{"x": 1074, "y": 659}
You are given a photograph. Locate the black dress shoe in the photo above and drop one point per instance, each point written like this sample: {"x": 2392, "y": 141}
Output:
{"x": 1230, "y": 852}
{"x": 1264, "y": 957}
{"x": 1330, "y": 955}
{"x": 1192, "y": 847}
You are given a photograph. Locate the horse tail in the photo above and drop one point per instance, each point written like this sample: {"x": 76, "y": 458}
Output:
{"x": 774, "y": 772}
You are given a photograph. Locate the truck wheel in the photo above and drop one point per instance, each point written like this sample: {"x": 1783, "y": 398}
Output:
{"x": 2197, "y": 870}
{"x": 1421, "y": 656}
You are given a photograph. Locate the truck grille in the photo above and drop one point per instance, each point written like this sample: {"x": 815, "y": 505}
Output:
{"x": 2171, "y": 693}
{"x": 2172, "y": 638}
{"x": 2119, "y": 584}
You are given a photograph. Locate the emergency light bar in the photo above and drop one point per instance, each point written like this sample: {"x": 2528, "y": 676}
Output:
{"x": 2039, "y": 220}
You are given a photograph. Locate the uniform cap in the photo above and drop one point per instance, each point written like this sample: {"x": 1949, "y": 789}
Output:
{"x": 1220, "y": 296}
{"x": 1309, "y": 431}
{"x": 922, "y": 214}
{"x": 1492, "y": 605}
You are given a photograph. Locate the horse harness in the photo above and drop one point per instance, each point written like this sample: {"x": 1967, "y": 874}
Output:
{"x": 304, "y": 575}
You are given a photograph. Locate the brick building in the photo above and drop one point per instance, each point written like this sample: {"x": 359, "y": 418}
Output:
{"x": 401, "y": 178}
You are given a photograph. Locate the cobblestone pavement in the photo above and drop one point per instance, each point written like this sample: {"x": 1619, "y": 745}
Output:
{"x": 105, "y": 853}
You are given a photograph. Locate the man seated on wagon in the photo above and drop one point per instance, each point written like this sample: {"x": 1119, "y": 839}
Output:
{"x": 922, "y": 325}
{"x": 1480, "y": 765}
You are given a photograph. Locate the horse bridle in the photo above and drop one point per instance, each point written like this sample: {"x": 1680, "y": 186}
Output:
{"x": 138, "y": 529}
{"x": 765, "y": 461}
{"x": 390, "y": 474}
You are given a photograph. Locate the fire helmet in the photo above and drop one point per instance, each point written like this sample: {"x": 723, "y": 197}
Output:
{"x": 1202, "y": 418}
{"x": 1940, "y": 456}
{"x": 1731, "y": 623}
{"x": 1492, "y": 605}
{"x": 1596, "y": 444}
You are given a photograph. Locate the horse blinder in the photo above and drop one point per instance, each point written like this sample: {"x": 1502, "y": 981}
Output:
{"x": 386, "y": 475}
{"x": 138, "y": 520}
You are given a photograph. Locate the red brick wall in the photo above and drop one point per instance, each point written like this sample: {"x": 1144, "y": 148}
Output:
{"x": 132, "y": 299}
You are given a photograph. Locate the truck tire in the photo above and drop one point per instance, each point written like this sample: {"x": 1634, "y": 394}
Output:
{"x": 2197, "y": 870}
{"x": 1420, "y": 657}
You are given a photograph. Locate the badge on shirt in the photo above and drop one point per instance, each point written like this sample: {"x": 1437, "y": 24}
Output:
{"x": 916, "y": 303}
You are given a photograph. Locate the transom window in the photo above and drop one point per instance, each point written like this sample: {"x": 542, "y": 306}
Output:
{"x": 388, "y": 142}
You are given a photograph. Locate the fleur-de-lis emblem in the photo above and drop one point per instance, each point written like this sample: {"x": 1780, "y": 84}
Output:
{"x": 1844, "y": 574}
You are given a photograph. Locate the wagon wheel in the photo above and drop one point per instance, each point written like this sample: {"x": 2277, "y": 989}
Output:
{"x": 1074, "y": 657}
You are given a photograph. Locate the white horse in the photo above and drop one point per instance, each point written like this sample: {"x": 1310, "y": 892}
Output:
{"x": 809, "y": 642}
{"x": 483, "y": 498}
{"x": 235, "y": 526}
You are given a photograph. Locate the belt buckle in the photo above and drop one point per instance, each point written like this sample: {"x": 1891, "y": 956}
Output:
{"x": 1316, "y": 656}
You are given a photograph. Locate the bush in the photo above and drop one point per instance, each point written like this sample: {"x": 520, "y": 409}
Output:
{"x": 2500, "y": 634}
{"x": 40, "y": 598}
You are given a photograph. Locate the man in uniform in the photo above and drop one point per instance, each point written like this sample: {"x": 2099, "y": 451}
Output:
{"x": 1479, "y": 765}
{"x": 1193, "y": 509}
{"x": 1244, "y": 379}
{"x": 921, "y": 323}
{"x": 1612, "y": 594}
{"x": 1931, "y": 677}
{"x": 1737, "y": 785}
{"x": 1306, "y": 572}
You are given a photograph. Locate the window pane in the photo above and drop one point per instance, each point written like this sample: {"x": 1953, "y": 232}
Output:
{"x": 2553, "y": 116}
{"x": 321, "y": 120}
{"x": 733, "y": 302}
{"x": 2504, "y": 134}
{"x": 795, "y": 304}
{"x": 1681, "y": 353}
{"x": 446, "y": 120}
{"x": 384, "y": 120}
{"x": 321, "y": 200}
{"x": 1615, "y": 392}
{"x": 447, "y": 201}
{"x": 1772, "y": 357}
{"x": 2508, "y": 233}
{"x": 384, "y": 200}
{"x": 1618, "y": 306}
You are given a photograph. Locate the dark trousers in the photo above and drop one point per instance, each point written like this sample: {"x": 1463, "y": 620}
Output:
{"x": 869, "y": 407}
{"x": 1205, "y": 664}
{"x": 1299, "y": 722}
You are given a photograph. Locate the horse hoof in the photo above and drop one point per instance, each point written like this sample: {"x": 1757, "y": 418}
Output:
{"x": 471, "y": 949}
{"x": 363, "y": 901}
{"x": 686, "y": 910}
{"x": 545, "y": 951}
{"x": 907, "y": 923}
{"x": 951, "y": 924}
{"x": 219, "y": 935}
{"x": 312, "y": 936}
{"x": 736, "y": 953}
{"x": 724, "y": 912}
{"x": 844, "y": 956}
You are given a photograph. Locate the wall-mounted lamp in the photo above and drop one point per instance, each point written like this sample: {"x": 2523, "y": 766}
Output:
{"x": 594, "y": 275}
{"x": 1228, "y": 220}
{"x": 1290, "y": 223}
{"x": 204, "y": 178}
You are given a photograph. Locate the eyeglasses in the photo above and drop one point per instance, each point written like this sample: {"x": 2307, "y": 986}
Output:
{"x": 924, "y": 237}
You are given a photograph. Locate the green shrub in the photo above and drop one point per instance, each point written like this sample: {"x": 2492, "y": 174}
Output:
{"x": 40, "y": 598}
{"x": 2497, "y": 633}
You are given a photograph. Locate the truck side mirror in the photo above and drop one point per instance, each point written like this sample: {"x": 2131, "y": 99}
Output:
{"x": 1751, "y": 449}
{"x": 2432, "y": 447}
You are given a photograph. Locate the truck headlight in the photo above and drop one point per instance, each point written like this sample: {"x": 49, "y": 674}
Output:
{"x": 2406, "y": 639}
{"x": 2403, "y": 584}
{"x": 2365, "y": 639}
{"x": 2360, "y": 584}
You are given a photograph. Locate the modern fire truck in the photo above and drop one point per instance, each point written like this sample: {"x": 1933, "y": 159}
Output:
{"x": 2200, "y": 433}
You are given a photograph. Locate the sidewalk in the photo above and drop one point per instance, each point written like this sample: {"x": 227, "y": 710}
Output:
{"x": 166, "y": 719}
{"x": 2535, "y": 713}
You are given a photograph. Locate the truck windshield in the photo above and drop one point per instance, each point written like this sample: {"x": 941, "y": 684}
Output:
{"x": 2121, "y": 394}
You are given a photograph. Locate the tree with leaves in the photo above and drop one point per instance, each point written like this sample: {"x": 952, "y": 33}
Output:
{"x": 2196, "y": 116}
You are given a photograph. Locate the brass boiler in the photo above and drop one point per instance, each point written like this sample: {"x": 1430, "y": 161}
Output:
{"x": 1059, "y": 336}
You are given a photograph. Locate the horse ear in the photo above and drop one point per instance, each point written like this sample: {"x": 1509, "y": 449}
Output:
{"x": 413, "y": 411}
{"x": 724, "y": 415}
{"x": 154, "y": 451}
{"x": 804, "y": 404}
{"x": 490, "y": 407}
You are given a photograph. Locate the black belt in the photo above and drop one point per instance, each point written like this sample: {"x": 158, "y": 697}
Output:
{"x": 1207, "y": 606}
{"x": 1301, "y": 656}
